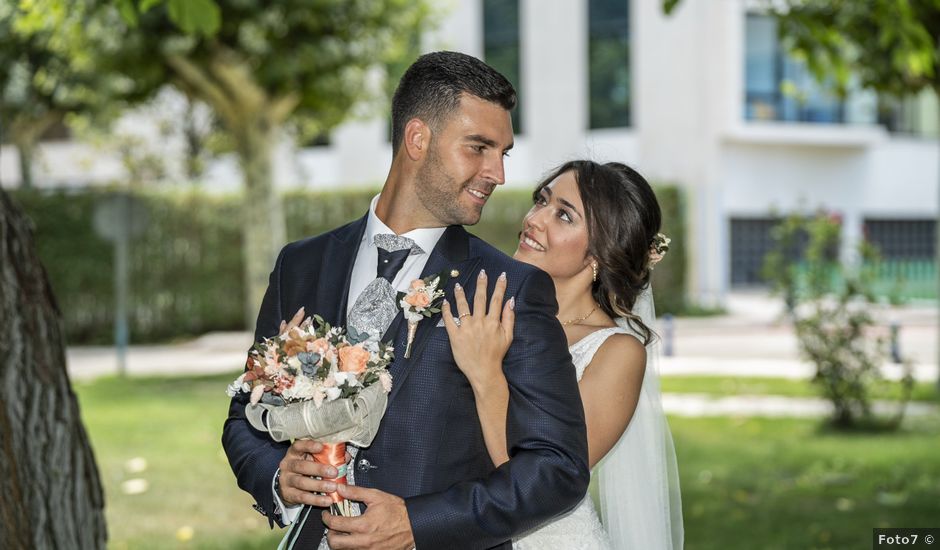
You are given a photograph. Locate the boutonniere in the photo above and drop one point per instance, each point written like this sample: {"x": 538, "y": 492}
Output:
{"x": 423, "y": 299}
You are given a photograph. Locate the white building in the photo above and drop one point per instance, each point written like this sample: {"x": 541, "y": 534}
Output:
{"x": 706, "y": 98}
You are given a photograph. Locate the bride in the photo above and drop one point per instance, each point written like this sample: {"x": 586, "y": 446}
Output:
{"x": 595, "y": 230}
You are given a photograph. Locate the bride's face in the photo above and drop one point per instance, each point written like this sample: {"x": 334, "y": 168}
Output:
{"x": 554, "y": 232}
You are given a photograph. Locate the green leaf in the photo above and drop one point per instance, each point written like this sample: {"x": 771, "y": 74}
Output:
{"x": 198, "y": 17}
{"x": 128, "y": 11}
{"x": 146, "y": 5}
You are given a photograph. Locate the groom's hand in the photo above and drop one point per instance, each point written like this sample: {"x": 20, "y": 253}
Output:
{"x": 383, "y": 526}
{"x": 298, "y": 470}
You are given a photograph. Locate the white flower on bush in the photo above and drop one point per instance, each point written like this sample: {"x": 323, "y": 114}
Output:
{"x": 333, "y": 393}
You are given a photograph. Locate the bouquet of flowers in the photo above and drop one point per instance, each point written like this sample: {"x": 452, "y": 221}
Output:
{"x": 318, "y": 382}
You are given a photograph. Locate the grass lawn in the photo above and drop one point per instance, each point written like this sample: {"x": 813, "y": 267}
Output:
{"x": 772, "y": 483}
{"x": 747, "y": 483}
{"x": 756, "y": 385}
{"x": 175, "y": 424}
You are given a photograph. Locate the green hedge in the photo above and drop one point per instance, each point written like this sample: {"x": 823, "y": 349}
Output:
{"x": 186, "y": 269}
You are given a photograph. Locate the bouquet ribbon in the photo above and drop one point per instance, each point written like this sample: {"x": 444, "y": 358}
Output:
{"x": 334, "y": 454}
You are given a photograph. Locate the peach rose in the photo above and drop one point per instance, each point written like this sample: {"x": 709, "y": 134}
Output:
{"x": 320, "y": 346}
{"x": 353, "y": 359}
{"x": 417, "y": 284}
{"x": 418, "y": 299}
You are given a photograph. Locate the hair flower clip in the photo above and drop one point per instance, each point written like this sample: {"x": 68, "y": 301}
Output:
{"x": 658, "y": 249}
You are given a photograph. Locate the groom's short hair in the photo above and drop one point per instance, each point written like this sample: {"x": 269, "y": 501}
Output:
{"x": 431, "y": 88}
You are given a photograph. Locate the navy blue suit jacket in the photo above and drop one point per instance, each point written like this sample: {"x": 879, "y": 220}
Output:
{"x": 429, "y": 449}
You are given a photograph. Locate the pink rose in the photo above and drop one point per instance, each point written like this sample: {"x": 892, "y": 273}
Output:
{"x": 417, "y": 284}
{"x": 418, "y": 299}
{"x": 353, "y": 359}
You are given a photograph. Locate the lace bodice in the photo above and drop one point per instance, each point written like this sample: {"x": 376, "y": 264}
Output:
{"x": 579, "y": 529}
{"x": 582, "y": 351}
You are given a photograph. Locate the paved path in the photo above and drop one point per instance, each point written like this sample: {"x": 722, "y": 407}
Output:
{"x": 752, "y": 340}
{"x": 697, "y": 405}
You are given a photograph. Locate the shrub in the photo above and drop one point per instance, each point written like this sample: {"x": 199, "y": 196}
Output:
{"x": 186, "y": 270}
{"x": 831, "y": 308}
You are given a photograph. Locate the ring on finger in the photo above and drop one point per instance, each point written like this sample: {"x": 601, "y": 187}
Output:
{"x": 462, "y": 315}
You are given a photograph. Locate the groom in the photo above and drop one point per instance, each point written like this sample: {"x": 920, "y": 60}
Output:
{"x": 427, "y": 480}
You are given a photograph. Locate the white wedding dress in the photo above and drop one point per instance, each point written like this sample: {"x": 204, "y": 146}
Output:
{"x": 638, "y": 478}
{"x": 580, "y": 528}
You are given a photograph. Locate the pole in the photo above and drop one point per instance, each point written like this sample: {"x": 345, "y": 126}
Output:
{"x": 120, "y": 284}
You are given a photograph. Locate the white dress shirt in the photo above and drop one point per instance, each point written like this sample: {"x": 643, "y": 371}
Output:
{"x": 364, "y": 272}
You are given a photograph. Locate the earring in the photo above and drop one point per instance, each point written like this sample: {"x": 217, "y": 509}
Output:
{"x": 594, "y": 269}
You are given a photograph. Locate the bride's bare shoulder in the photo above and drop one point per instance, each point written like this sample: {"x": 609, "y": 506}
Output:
{"x": 618, "y": 351}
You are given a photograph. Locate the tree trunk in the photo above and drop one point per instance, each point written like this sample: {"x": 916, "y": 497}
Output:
{"x": 52, "y": 495}
{"x": 26, "y": 132}
{"x": 25, "y": 152}
{"x": 254, "y": 120}
{"x": 264, "y": 230}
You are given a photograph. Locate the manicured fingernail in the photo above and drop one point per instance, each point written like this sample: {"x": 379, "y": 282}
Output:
{"x": 331, "y": 471}
{"x": 457, "y": 286}
{"x": 482, "y": 273}
{"x": 502, "y": 276}
{"x": 329, "y": 486}
{"x": 512, "y": 303}
{"x": 446, "y": 303}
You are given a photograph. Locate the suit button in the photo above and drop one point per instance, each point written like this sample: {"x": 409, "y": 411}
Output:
{"x": 364, "y": 465}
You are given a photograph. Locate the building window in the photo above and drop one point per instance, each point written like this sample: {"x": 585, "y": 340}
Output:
{"x": 903, "y": 239}
{"x": 914, "y": 116}
{"x": 609, "y": 63}
{"x": 501, "y": 47}
{"x": 907, "y": 249}
{"x": 751, "y": 240}
{"x": 780, "y": 87}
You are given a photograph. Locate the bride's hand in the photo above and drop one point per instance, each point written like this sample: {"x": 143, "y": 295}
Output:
{"x": 294, "y": 322}
{"x": 481, "y": 338}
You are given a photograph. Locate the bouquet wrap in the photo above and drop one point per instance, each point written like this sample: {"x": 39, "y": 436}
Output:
{"x": 354, "y": 419}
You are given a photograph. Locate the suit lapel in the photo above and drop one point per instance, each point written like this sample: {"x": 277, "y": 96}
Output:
{"x": 336, "y": 271}
{"x": 451, "y": 253}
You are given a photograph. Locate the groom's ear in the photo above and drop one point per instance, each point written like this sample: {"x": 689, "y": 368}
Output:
{"x": 417, "y": 138}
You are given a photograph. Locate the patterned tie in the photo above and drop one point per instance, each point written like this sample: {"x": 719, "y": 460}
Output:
{"x": 374, "y": 309}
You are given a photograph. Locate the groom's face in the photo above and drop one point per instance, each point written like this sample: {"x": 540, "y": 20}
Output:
{"x": 465, "y": 162}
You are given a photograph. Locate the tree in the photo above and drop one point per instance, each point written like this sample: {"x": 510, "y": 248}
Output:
{"x": 889, "y": 46}
{"x": 265, "y": 69}
{"x": 39, "y": 87}
{"x": 52, "y": 491}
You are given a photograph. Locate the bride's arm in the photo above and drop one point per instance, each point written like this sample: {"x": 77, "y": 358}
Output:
{"x": 610, "y": 391}
{"x": 479, "y": 343}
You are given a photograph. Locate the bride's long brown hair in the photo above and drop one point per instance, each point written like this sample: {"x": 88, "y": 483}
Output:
{"x": 623, "y": 218}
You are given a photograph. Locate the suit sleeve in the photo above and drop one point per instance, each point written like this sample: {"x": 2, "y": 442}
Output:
{"x": 253, "y": 455}
{"x": 547, "y": 473}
